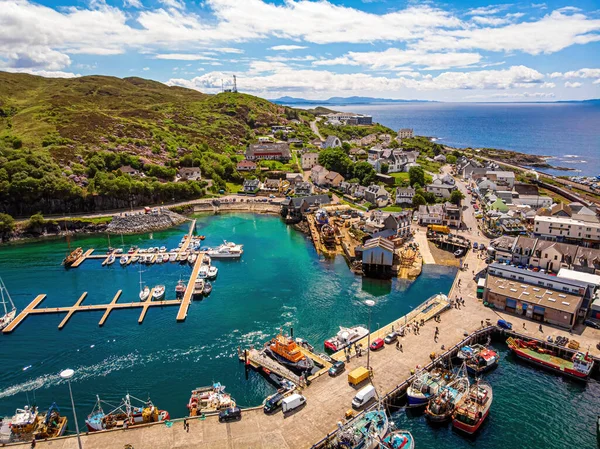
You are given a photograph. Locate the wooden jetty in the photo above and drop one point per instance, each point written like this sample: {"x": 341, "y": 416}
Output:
{"x": 189, "y": 291}
{"x": 258, "y": 360}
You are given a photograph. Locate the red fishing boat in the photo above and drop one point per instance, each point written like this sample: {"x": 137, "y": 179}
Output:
{"x": 470, "y": 414}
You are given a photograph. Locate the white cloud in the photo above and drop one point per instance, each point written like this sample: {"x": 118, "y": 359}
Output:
{"x": 547, "y": 85}
{"x": 487, "y": 10}
{"x": 493, "y": 21}
{"x": 581, "y": 73}
{"x": 287, "y": 47}
{"x": 539, "y": 5}
{"x": 393, "y": 58}
{"x": 145, "y": 69}
{"x": 173, "y": 4}
{"x": 572, "y": 85}
{"x": 596, "y": 82}
{"x": 44, "y": 73}
{"x": 132, "y": 3}
{"x": 290, "y": 58}
{"x": 228, "y": 50}
{"x": 184, "y": 57}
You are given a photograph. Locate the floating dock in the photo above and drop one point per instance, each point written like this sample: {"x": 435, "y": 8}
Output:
{"x": 189, "y": 291}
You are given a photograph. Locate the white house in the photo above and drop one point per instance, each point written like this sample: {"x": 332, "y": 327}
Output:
{"x": 404, "y": 196}
{"x": 405, "y": 133}
{"x": 442, "y": 186}
{"x": 190, "y": 173}
{"x": 317, "y": 174}
{"x": 432, "y": 214}
{"x": 251, "y": 186}
{"x": 309, "y": 160}
{"x": 566, "y": 229}
{"x": 377, "y": 195}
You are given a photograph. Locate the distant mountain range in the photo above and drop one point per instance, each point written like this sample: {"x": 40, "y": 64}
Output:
{"x": 344, "y": 100}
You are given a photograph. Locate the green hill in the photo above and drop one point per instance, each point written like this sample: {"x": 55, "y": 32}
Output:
{"x": 62, "y": 141}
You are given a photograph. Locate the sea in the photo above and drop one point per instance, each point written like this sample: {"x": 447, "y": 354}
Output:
{"x": 279, "y": 283}
{"x": 569, "y": 133}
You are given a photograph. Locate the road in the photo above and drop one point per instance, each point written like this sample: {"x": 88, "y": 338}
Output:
{"x": 315, "y": 128}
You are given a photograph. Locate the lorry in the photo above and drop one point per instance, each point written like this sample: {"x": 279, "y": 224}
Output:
{"x": 358, "y": 375}
{"x": 439, "y": 228}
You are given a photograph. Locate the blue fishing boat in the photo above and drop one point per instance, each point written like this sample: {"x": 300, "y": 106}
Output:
{"x": 365, "y": 432}
{"x": 398, "y": 439}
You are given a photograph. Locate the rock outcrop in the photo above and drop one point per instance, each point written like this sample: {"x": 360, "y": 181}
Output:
{"x": 133, "y": 223}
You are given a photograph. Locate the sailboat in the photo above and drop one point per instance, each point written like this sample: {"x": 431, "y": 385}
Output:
{"x": 144, "y": 291}
{"x": 10, "y": 311}
{"x": 73, "y": 255}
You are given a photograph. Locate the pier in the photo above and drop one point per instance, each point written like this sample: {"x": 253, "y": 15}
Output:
{"x": 189, "y": 291}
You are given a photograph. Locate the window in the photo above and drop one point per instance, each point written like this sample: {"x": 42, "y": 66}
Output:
{"x": 555, "y": 256}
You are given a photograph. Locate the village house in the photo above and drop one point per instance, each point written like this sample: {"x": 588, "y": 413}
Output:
{"x": 292, "y": 209}
{"x": 293, "y": 178}
{"x": 385, "y": 139}
{"x": 303, "y": 188}
{"x": 271, "y": 185}
{"x": 377, "y": 195}
{"x": 431, "y": 214}
{"x": 501, "y": 248}
{"x": 502, "y": 178}
{"x": 333, "y": 179}
{"x": 317, "y": 174}
{"x": 246, "y": 165}
{"x": 405, "y": 133}
{"x": 309, "y": 160}
{"x": 404, "y": 196}
{"x": 368, "y": 140}
{"x": 190, "y": 173}
{"x": 332, "y": 142}
{"x": 251, "y": 186}
{"x": 442, "y": 186}
{"x": 440, "y": 158}
{"x": 268, "y": 151}
{"x": 452, "y": 215}
{"x": 568, "y": 230}
{"x": 378, "y": 258}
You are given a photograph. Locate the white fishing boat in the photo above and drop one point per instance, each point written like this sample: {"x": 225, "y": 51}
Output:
{"x": 23, "y": 422}
{"x": 203, "y": 272}
{"x": 212, "y": 272}
{"x": 159, "y": 293}
{"x": 227, "y": 250}
{"x": 10, "y": 311}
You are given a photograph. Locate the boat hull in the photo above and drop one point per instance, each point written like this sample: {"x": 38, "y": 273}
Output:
{"x": 480, "y": 370}
{"x": 416, "y": 400}
{"x": 468, "y": 429}
{"x": 303, "y": 365}
{"x": 549, "y": 366}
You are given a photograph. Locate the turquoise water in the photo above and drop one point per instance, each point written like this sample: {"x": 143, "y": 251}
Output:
{"x": 532, "y": 409}
{"x": 280, "y": 282}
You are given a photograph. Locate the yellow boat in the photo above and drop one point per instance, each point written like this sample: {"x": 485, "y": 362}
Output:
{"x": 50, "y": 425}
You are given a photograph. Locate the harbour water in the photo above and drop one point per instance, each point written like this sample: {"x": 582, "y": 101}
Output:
{"x": 567, "y": 132}
{"x": 280, "y": 282}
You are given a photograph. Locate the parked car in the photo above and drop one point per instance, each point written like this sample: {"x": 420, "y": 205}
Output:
{"x": 292, "y": 402}
{"x": 337, "y": 368}
{"x": 273, "y": 402}
{"x": 230, "y": 414}
{"x": 376, "y": 344}
{"x": 475, "y": 245}
{"x": 592, "y": 323}
{"x": 504, "y": 324}
{"x": 390, "y": 338}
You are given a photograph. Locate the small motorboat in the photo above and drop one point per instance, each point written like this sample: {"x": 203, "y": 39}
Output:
{"x": 159, "y": 259}
{"x": 198, "y": 288}
{"x": 203, "y": 272}
{"x": 202, "y": 237}
{"x": 165, "y": 258}
{"x": 159, "y": 293}
{"x": 111, "y": 259}
{"x": 192, "y": 259}
{"x": 212, "y": 272}
{"x": 135, "y": 259}
{"x": 173, "y": 257}
{"x": 207, "y": 288}
{"x": 206, "y": 260}
{"x": 183, "y": 257}
{"x": 163, "y": 249}
{"x": 124, "y": 260}
{"x": 180, "y": 289}
{"x": 144, "y": 293}
{"x": 398, "y": 439}
{"x": 118, "y": 251}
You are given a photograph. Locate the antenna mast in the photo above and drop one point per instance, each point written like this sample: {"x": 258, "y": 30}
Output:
{"x": 234, "y": 84}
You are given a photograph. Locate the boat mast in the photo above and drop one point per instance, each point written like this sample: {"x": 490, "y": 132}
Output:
{"x": 108, "y": 235}
{"x": 2, "y": 290}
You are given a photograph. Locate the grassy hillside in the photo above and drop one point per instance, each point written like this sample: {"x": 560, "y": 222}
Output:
{"x": 63, "y": 140}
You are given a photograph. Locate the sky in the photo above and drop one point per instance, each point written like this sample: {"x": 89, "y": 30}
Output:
{"x": 467, "y": 50}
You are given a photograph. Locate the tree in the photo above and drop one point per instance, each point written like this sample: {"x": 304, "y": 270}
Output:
{"x": 456, "y": 197}
{"x": 395, "y": 144}
{"x": 418, "y": 200}
{"x": 384, "y": 168}
{"x": 416, "y": 175}
{"x": 346, "y": 147}
{"x": 451, "y": 159}
{"x": 364, "y": 172}
{"x": 337, "y": 160}
{"x": 36, "y": 221}
{"x": 7, "y": 225}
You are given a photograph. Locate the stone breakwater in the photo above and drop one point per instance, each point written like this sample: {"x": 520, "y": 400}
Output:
{"x": 134, "y": 223}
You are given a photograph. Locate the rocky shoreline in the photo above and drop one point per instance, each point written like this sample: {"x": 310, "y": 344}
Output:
{"x": 136, "y": 223}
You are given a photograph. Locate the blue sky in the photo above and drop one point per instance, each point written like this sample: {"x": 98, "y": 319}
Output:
{"x": 448, "y": 51}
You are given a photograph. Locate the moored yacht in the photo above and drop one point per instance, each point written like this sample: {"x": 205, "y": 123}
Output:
{"x": 227, "y": 250}
{"x": 10, "y": 311}
{"x": 345, "y": 337}
{"x": 159, "y": 293}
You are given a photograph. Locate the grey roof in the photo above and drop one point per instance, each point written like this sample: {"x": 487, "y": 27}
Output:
{"x": 538, "y": 275}
{"x": 265, "y": 148}
{"x": 379, "y": 242}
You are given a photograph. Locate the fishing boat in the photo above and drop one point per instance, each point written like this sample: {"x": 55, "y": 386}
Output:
{"x": 466, "y": 352}
{"x": 426, "y": 385}
{"x": 483, "y": 361}
{"x": 285, "y": 350}
{"x": 345, "y": 337}
{"x": 125, "y": 412}
{"x": 111, "y": 259}
{"x": 212, "y": 272}
{"x": 72, "y": 257}
{"x": 23, "y": 421}
{"x": 579, "y": 367}
{"x": 183, "y": 257}
{"x": 50, "y": 425}
{"x": 365, "y": 432}
{"x": 398, "y": 439}
{"x": 192, "y": 259}
{"x": 198, "y": 288}
{"x": 180, "y": 289}
{"x": 207, "y": 288}
{"x": 124, "y": 260}
{"x": 10, "y": 311}
{"x": 227, "y": 250}
{"x": 472, "y": 411}
{"x": 203, "y": 272}
{"x": 441, "y": 406}
{"x": 159, "y": 293}
{"x": 209, "y": 399}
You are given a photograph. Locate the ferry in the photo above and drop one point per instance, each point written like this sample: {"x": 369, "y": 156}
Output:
{"x": 9, "y": 312}
{"x": 345, "y": 337}
{"x": 579, "y": 367}
{"x": 209, "y": 399}
{"x": 426, "y": 385}
{"x": 125, "y": 412}
{"x": 50, "y": 425}
{"x": 227, "y": 250}
{"x": 285, "y": 350}
{"x": 472, "y": 412}
{"x": 485, "y": 360}
{"x": 398, "y": 439}
{"x": 365, "y": 432}
{"x": 441, "y": 406}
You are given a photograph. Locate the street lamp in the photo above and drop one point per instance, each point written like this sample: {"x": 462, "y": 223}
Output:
{"x": 66, "y": 375}
{"x": 370, "y": 303}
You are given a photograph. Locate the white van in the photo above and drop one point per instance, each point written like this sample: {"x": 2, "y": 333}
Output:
{"x": 363, "y": 396}
{"x": 292, "y": 402}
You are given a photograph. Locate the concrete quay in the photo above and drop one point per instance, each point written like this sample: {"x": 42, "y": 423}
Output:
{"x": 327, "y": 398}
